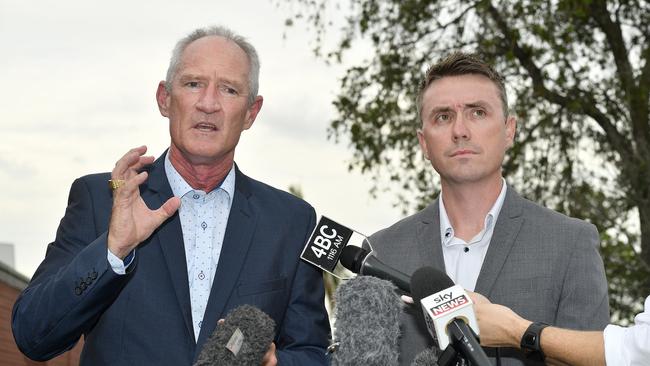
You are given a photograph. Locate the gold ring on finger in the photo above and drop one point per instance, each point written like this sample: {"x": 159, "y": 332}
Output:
{"x": 116, "y": 183}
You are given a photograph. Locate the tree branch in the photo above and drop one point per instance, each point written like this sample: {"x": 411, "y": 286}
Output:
{"x": 638, "y": 100}
{"x": 587, "y": 107}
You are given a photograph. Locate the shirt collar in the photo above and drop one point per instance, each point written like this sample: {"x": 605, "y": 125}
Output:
{"x": 180, "y": 187}
{"x": 447, "y": 231}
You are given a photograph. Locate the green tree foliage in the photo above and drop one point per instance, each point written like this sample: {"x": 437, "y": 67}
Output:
{"x": 578, "y": 73}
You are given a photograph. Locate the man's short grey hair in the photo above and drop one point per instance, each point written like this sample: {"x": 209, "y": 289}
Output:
{"x": 249, "y": 50}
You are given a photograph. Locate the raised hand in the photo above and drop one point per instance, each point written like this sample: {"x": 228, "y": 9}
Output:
{"x": 131, "y": 220}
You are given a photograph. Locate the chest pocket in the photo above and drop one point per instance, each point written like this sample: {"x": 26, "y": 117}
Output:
{"x": 260, "y": 287}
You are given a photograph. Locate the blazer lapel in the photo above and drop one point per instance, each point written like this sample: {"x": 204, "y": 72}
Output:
{"x": 505, "y": 232}
{"x": 429, "y": 245}
{"x": 170, "y": 238}
{"x": 236, "y": 242}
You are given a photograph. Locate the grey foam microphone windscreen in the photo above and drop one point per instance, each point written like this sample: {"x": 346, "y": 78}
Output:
{"x": 367, "y": 322}
{"x": 428, "y": 357}
{"x": 242, "y": 339}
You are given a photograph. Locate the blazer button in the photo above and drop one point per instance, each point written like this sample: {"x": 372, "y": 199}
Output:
{"x": 77, "y": 291}
{"x": 89, "y": 280}
{"x": 94, "y": 275}
{"x": 83, "y": 286}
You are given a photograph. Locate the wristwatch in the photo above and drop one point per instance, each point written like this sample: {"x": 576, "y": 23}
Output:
{"x": 531, "y": 341}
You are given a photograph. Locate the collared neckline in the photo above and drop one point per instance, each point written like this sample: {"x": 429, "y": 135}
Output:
{"x": 447, "y": 231}
{"x": 180, "y": 187}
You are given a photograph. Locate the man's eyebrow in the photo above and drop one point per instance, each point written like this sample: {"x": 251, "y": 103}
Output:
{"x": 439, "y": 109}
{"x": 190, "y": 76}
{"x": 231, "y": 81}
{"x": 478, "y": 104}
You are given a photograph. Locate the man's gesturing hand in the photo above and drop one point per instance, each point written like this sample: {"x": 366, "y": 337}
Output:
{"x": 131, "y": 220}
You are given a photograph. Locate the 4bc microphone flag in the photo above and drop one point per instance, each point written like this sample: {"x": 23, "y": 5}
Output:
{"x": 325, "y": 244}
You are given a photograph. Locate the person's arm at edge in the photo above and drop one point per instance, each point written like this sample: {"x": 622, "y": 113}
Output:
{"x": 501, "y": 327}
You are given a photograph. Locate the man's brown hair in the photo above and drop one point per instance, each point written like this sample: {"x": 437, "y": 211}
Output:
{"x": 459, "y": 63}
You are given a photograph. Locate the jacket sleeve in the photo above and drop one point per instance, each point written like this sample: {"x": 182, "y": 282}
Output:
{"x": 71, "y": 288}
{"x": 304, "y": 334}
{"x": 584, "y": 303}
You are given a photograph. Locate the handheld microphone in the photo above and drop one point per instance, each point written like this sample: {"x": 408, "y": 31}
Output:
{"x": 361, "y": 261}
{"x": 367, "y": 322}
{"x": 242, "y": 339}
{"x": 448, "y": 311}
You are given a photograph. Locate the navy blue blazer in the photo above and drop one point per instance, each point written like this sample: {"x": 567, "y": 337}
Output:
{"x": 144, "y": 317}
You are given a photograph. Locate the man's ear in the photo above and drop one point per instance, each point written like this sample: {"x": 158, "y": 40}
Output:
{"x": 162, "y": 97}
{"x": 511, "y": 129}
{"x": 253, "y": 110}
{"x": 423, "y": 144}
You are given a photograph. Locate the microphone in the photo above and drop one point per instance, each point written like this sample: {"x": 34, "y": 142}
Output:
{"x": 428, "y": 357}
{"x": 361, "y": 261}
{"x": 448, "y": 311}
{"x": 367, "y": 322}
{"x": 435, "y": 357}
{"x": 242, "y": 339}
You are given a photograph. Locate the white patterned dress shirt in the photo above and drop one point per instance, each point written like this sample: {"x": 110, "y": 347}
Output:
{"x": 204, "y": 217}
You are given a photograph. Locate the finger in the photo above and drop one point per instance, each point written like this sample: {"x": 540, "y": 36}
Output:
{"x": 407, "y": 299}
{"x": 166, "y": 210}
{"x": 269, "y": 357}
{"x": 134, "y": 169}
{"x": 478, "y": 298}
{"x": 129, "y": 159}
{"x": 220, "y": 321}
{"x": 131, "y": 186}
{"x": 171, "y": 206}
{"x": 142, "y": 162}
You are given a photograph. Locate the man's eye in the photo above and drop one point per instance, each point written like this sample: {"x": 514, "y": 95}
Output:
{"x": 192, "y": 84}
{"x": 228, "y": 90}
{"x": 479, "y": 113}
{"x": 442, "y": 118}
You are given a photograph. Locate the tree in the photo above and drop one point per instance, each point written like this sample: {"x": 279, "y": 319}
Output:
{"x": 579, "y": 75}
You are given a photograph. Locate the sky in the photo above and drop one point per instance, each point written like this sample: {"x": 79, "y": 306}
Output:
{"x": 79, "y": 81}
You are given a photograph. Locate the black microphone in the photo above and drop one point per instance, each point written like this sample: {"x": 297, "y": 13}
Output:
{"x": 448, "y": 311}
{"x": 367, "y": 322}
{"x": 361, "y": 261}
{"x": 242, "y": 339}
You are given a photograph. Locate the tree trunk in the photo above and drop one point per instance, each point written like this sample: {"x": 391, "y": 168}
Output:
{"x": 644, "y": 219}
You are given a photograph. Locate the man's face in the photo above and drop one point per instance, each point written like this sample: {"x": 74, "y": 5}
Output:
{"x": 208, "y": 106}
{"x": 464, "y": 132}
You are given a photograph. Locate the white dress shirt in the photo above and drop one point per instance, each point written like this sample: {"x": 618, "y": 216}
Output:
{"x": 463, "y": 260}
{"x": 204, "y": 216}
{"x": 629, "y": 346}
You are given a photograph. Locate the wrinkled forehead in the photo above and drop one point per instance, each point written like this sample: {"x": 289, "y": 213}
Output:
{"x": 454, "y": 91}
{"x": 214, "y": 53}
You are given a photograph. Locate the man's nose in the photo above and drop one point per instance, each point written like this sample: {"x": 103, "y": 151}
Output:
{"x": 459, "y": 129}
{"x": 209, "y": 102}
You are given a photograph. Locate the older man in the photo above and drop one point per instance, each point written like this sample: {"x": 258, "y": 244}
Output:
{"x": 146, "y": 268}
{"x": 486, "y": 237}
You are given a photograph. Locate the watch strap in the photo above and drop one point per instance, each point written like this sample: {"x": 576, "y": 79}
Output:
{"x": 531, "y": 341}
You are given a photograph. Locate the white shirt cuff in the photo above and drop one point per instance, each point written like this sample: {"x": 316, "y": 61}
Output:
{"x": 117, "y": 264}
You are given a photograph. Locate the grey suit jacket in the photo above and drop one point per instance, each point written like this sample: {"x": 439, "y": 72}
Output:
{"x": 542, "y": 264}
